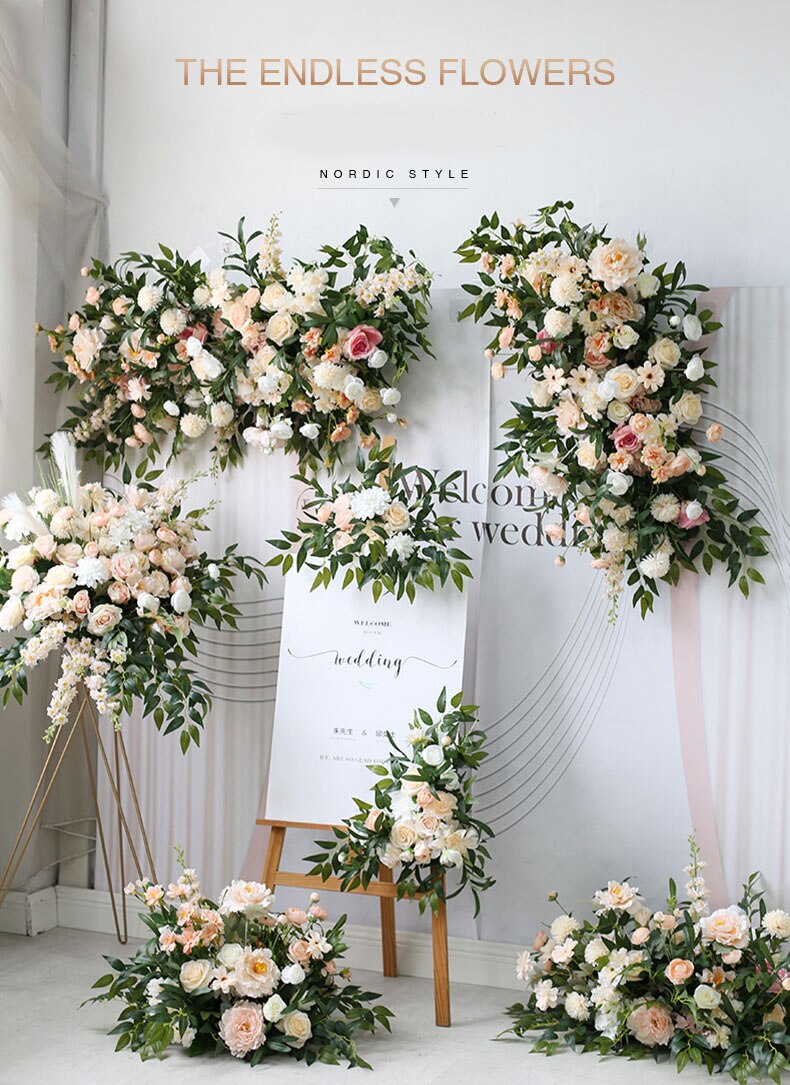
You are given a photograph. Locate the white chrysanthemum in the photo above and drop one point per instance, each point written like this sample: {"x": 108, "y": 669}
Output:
{"x": 172, "y": 321}
{"x": 655, "y": 565}
{"x": 615, "y": 540}
{"x": 149, "y": 297}
{"x": 193, "y": 425}
{"x": 563, "y": 927}
{"x": 401, "y": 545}
{"x": 777, "y": 923}
{"x": 90, "y": 572}
{"x": 370, "y": 502}
{"x": 577, "y": 1006}
{"x": 557, "y": 323}
{"x": 665, "y": 508}
{"x": 565, "y": 290}
{"x": 221, "y": 414}
{"x": 331, "y": 376}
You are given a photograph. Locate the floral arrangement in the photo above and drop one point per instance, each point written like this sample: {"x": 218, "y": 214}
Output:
{"x": 420, "y": 818}
{"x": 610, "y": 428}
{"x": 237, "y": 977}
{"x": 683, "y": 983}
{"x": 382, "y": 529}
{"x": 118, "y": 584}
{"x": 291, "y": 359}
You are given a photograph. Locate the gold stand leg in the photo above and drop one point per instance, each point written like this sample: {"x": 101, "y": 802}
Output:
{"x": 46, "y": 781}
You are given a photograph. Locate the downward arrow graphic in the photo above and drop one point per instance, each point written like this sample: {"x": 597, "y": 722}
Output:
{"x": 394, "y": 200}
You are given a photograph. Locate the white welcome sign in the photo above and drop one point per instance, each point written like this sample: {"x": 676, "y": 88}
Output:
{"x": 351, "y": 670}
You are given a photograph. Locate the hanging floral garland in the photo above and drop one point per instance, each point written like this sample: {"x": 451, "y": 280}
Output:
{"x": 610, "y": 429}
{"x": 381, "y": 530}
{"x": 297, "y": 360}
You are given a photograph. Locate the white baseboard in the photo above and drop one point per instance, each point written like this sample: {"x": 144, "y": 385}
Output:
{"x": 29, "y": 913}
{"x": 488, "y": 964}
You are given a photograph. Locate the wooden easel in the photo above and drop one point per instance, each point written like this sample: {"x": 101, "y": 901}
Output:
{"x": 387, "y": 892}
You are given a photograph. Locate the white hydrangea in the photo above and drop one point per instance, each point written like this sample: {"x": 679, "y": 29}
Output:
{"x": 665, "y": 508}
{"x": 193, "y": 425}
{"x": 401, "y": 545}
{"x": 149, "y": 297}
{"x": 563, "y": 927}
{"x": 777, "y": 923}
{"x": 577, "y": 1006}
{"x": 655, "y": 565}
{"x": 90, "y": 572}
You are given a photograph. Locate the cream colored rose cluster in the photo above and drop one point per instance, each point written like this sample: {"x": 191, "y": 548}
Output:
{"x": 610, "y": 429}
{"x": 252, "y": 353}
{"x": 257, "y": 980}
{"x": 98, "y": 574}
{"x": 633, "y": 978}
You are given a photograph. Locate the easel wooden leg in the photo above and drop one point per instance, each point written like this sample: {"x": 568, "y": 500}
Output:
{"x": 441, "y": 967}
{"x": 389, "y": 945}
{"x": 274, "y": 854}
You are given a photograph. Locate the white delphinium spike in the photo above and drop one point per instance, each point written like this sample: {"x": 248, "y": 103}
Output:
{"x": 64, "y": 454}
{"x": 22, "y": 521}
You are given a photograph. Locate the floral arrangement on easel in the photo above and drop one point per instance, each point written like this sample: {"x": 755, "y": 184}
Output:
{"x": 609, "y": 430}
{"x": 295, "y": 360}
{"x": 381, "y": 530}
{"x": 238, "y": 977}
{"x": 420, "y": 818}
{"x": 117, "y": 582}
{"x": 678, "y": 983}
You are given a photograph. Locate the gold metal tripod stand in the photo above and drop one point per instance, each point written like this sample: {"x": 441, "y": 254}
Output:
{"x": 114, "y": 769}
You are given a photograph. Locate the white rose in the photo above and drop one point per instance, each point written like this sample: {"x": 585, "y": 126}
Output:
{"x": 147, "y": 603}
{"x": 280, "y": 327}
{"x": 273, "y": 1008}
{"x": 310, "y": 430}
{"x": 595, "y": 950}
{"x": 618, "y": 482}
{"x": 618, "y": 411}
{"x": 378, "y": 359}
{"x": 688, "y": 409}
{"x": 707, "y": 998}
{"x": 206, "y": 367}
{"x": 432, "y": 755}
{"x": 692, "y": 327}
{"x": 195, "y": 975}
{"x": 172, "y": 408}
{"x": 281, "y": 429}
{"x": 12, "y": 614}
{"x": 274, "y": 297}
{"x": 541, "y": 396}
{"x": 664, "y": 352}
{"x": 694, "y": 510}
{"x": 646, "y": 284}
{"x": 695, "y": 370}
{"x": 353, "y": 388}
{"x": 194, "y": 346}
{"x": 625, "y": 381}
{"x": 221, "y": 414}
{"x": 213, "y": 571}
{"x": 172, "y": 321}
{"x": 293, "y": 974}
{"x": 297, "y": 1026}
{"x": 390, "y": 396}
{"x": 181, "y": 601}
{"x": 624, "y": 336}
{"x": 229, "y": 954}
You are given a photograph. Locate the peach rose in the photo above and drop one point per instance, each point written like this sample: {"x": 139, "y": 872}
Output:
{"x": 397, "y": 516}
{"x": 144, "y": 540}
{"x": 103, "y": 618}
{"x": 242, "y": 1028}
{"x": 296, "y": 916}
{"x": 324, "y": 512}
{"x": 59, "y": 576}
{"x": 342, "y": 510}
{"x": 595, "y": 350}
{"x": 428, "y": 823}
{"x": 372, "y": 818}
{"x": 403, "y": 835}
{"x": 24, "y": 579}
{"x": 679, "y": 971}
{"x": 118, "y": 592}
{"x": 506, "y": 337}
{"x": 46, "y": 546}
{"x": 425, "y": 797}
{"x": 125, "y": 566}
{"x": 444, "y": 803}
{"x": 81, "y": 604}
{"x": 299, "y": 951}
{"x": 651, "y": 1024}
{"x": 714, "y": 432}
{"x": 726, "y": 927}
{"x": 341, "y": 432}
{"x": 297, "y": 1027}
{"x": 69, "y": 553}
{"x": 43, "y": 602}
{"x": 640, "y": 936}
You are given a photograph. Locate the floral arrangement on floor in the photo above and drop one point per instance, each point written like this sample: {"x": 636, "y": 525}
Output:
{"x": 420, "y": 819}
{"x": 610, "y": 428}
{"x": 382, "y": 529}
{"x": 238, "y": 977}
{"x": 118, "y": 584}
{"x": 296, "y": 359}
{"x": 682, "y": 983}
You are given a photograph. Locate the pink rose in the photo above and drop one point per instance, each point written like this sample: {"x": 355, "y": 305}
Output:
{"x": 714, "y": 432}
{"x": 144, "y": 540}
{"x": 425, "y": 797}
{"x": 640, "y": 936}
{"x": 242, "y": 1028}
{"x": 299, "y": 951}
{"x": 118, "y": 592}
{"x": 625, "y": 439}
{"x": 324, "y": 512}
{"x": 651, "y": 1024}
{"x": 104, "y": 618}
{"x": 81, "y": 604}
{"x": 296, "y": 916}
{"x": 92, "y": 550}
{"x": 506, "y": 337}
{"x": 693, "y": 518}
{"x": 343, "y": 514}
{"x": 45, "y": 545}
{"x": 547, "y": 344}
{"x": 92, "y": 295}
{"x": 318, "y": 912}
{"x": 167, "y": 536}
{"x": 678, "y": 971}
{"x": 361, "y": 342}
{"x": 372, "y": 818}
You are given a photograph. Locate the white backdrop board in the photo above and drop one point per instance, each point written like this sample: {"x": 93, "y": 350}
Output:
{"x": 351, "y": 670}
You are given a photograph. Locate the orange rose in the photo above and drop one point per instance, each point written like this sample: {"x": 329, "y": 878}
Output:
{"x": 679, "y": 970}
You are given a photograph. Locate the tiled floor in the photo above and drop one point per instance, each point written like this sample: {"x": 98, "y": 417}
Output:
{"x": 46, "y": 1038}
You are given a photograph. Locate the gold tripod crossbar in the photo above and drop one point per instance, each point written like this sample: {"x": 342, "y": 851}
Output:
{"x": 114, "y": 770}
